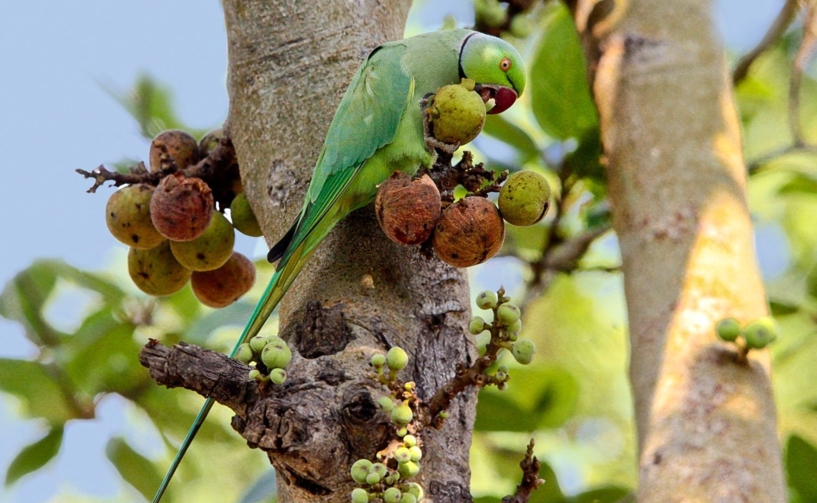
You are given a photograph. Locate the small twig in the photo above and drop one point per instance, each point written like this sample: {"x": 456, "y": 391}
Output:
{"x": 138, "y": 174}
{"x": 803, "y": 54}
{"x": 218, "y": 169}
{"x": 466, "y": 376}
{"x": 779, "y": 26}
{"x": 530, "y": 478}
{"x": 756, "y": 165}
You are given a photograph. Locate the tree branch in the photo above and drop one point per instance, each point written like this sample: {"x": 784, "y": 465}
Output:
{"x": 776, "y": 30}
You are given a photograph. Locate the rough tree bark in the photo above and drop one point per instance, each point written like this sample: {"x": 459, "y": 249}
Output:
{"x": 289, "y": 63}
{"x": 706, "y": 424}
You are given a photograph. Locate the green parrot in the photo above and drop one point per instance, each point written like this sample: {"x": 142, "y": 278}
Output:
{"x": 379, "y": 128}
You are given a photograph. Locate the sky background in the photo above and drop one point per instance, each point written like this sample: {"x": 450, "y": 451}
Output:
{"x": 56, "y": 117}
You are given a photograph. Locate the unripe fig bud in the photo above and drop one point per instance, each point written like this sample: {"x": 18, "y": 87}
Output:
{"x": 385, "y": 403}
{"x": 244, "y": 219}
{"x": 407, "y": 210}
{"x": 181, "y": 207}
{"x": 416, "y": 453}
{"x": 408, "y": 470}
{"x": 402, "y": 414}
{"x": 255, "y": 375}
{"x": 476, "y": 326}
{"x": 360, "y": 495}
{"x": 523, "y": 350}
{"x": 469, "y": 232}
{"x": 508, "y": 314}
{"x": 408, "y": 497}
{"x": 728, "y": 330}
{"x": 379, "y": 468}
{"x": 402, "y": 431}
{"x": 156, "y": 271}
{"x": 223, "y": 286}
{"x": 457, "y": 113}
{"x": 392, "y": 495}
{"x": 378, "y": 360}
{"x": 209, "y": 251}
{"x": 514, "y": 328}
{"x": 372, "y": 479}
{"x": 276, "y": 354}
{"x": 360, "y": 469}
{"x": 486, "y": 299}
{"x": 180, "y": 146}
{"x": 278, "y": 375}
{"x": 402, "y": 454}
{"x": 524, "y": 198}
{"x": 396, "y": 358}
{"x": 409, "y": 440}
{"x": 417, "y": 490}
{"x": 128, "y": 217}
{"x": 760, "y": 333}
{"x": 257, "y": 343}
{"x": 244, "y": 354}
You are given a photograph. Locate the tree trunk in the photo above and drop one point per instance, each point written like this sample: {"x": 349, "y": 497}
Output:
{"x": 289, "y": 63}
{"x": 706, "y": 423}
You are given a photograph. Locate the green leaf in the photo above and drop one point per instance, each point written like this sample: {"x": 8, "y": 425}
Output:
{"x": 546, "y": 404}
{"x": 24, "y": 296}
{"x": 513, "y": 135}
{"x": 561, "y": 100}
{"x": 35, "y": 385}
{"x": 137, "y": 470}
{"x": 799, "y": 184}
{"x": 781, "y": 308}
{"x": 34, "y": 456}
{"x": 801, "y": 468}
{"x": 585, "y": 161}
{"x": 497, "y": 412}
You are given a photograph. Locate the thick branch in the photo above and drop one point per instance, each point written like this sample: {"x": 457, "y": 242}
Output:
{"x": 706, "y": 425}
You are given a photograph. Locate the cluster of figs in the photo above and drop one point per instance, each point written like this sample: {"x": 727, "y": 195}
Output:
{"x": 174, "y": 231}
{"x": 471, "y": 230}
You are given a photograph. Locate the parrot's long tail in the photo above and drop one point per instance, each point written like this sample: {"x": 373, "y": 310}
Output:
{"x": 288, "y": 269}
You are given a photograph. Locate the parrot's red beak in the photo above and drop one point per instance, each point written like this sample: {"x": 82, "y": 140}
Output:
{"x": 503, "y": 97}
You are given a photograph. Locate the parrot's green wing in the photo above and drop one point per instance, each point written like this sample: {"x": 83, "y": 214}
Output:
{"x": 366, "y": 120}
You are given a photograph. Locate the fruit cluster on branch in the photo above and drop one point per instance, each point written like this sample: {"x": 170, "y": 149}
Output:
{"x": 172, "y": 217}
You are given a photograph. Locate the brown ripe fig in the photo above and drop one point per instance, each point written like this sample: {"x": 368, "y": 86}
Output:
{"x": 179, "y": 145}
{"x": 128, "y": 217}
{"x": 208, "y": 251}
{"x": 156, "y": 271}
{"x": 223, "y": 286}
{"x": 407, "y": 210}
{"x": 210, "y": 141}
{"x": 181, "y": 207}
{"x": 469, "y": 232}
{"x": 244, "y": 219}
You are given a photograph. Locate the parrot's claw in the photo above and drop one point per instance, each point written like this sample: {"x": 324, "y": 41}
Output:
{"x": 432, "y": 142}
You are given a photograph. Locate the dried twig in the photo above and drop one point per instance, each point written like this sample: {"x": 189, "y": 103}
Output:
{"x": 219, "y": 169}
{"x": 530, "y": 478}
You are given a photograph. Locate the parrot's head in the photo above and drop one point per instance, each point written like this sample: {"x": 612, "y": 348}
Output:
{"x": 496, "y": 67}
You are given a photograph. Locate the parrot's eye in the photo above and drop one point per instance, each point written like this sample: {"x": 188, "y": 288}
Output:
{"x": 505, "y": 64}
